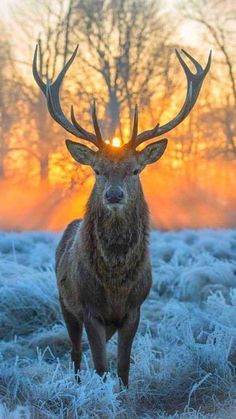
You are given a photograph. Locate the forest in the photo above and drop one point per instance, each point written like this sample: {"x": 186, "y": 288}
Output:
{"x": 126, "y": 56}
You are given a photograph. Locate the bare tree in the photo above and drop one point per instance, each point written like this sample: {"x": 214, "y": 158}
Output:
{"x": 217, "y": 19}
{"x": 124, "y": 50}
{"x": 9, "y": 97}
{"x": 51, "y": 22}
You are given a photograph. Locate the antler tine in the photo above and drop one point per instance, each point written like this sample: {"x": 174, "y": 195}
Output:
{"x": 61, "y": 119}
{"x": 55, "y": 105}
{"x": 36, "y": 75}
{"x": 51, "y": 91}
{"x": 194, "y": 84}
{"x": 96, "y": 125}
{"x": 195, "y": 62}
{"x": 135, "y": 127}
{"x": 46, "y": 89}
{"x": 60, "y": 77}
{"x": 83, "y": 132}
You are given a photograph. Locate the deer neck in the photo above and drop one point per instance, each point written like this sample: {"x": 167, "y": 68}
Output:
{"x": 116, "y": 236}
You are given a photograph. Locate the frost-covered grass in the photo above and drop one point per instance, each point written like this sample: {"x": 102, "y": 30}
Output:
{"x": 184, "y": 354}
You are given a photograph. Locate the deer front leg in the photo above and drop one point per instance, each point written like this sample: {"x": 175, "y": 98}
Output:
{"x": 125, "y": 339}
{"x": 75, "y": 328}
{"x": 96, "y": 333}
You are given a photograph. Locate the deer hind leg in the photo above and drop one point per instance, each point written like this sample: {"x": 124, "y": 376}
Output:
{"x": 96, "y": 332}
{"x": 126, "y": 335}
{"x": 75, "y": 329}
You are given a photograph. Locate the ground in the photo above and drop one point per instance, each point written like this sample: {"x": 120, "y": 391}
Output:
{"x": 184, "y": 354}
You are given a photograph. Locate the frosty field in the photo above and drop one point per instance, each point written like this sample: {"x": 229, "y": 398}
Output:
{"x": 184, "y": 354}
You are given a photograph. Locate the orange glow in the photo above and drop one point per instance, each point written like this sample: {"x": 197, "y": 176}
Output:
{"x": 183, "y": 190}
{"x": 116, "y": 142}
{"x": 177, "y": 198}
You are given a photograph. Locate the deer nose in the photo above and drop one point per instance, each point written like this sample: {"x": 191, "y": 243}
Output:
{"x": 114, "y": 194}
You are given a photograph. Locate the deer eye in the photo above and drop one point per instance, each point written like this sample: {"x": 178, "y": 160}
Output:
{"x": 135, "y": 172}
{"x": 97, "y": 172}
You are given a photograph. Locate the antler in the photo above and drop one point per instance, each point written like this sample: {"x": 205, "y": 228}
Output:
{"x": 194, "y": 84}
{"x": 51, "y": 90}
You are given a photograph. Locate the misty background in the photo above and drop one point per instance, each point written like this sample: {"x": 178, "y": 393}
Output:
{"x": 126, "y": 56}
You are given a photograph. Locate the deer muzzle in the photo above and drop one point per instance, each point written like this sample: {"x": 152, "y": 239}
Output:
{"x": 114, "y": 195}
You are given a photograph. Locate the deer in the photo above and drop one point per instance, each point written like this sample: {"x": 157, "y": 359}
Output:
{"x": 103, "y": 266}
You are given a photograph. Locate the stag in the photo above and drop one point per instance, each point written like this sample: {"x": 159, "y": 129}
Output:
{"x": 103, "y": 264}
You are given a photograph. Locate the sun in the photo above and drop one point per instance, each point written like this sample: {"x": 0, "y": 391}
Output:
{"x": 116, "y": 142}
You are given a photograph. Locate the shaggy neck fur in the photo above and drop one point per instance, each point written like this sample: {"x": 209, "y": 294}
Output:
{"x": 115, "y": 242}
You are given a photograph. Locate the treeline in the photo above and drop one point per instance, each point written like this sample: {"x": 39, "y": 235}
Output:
{"x": 126, "y": 56}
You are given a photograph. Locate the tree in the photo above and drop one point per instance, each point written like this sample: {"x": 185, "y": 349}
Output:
{"x": 218, "y": 18}
{"x": 125, "y": 53}
{"x": 9, "y": 97}
{"x": 51, "y": 22}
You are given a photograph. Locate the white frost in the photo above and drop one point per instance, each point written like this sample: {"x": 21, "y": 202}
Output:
{"x": 184, "y": 354}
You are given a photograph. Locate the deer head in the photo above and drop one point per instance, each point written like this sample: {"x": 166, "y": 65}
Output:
{"x": 117, "y": 169}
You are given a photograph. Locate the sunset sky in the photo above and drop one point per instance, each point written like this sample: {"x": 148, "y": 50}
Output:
{"x": 195, "y": 177}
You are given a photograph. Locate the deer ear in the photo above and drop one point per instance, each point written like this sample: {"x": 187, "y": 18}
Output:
{"x": 152, "y": 152}
{"x": 81, "y": 153}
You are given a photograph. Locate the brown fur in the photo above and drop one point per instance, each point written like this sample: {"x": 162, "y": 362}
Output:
{"x": 103, "y": 268}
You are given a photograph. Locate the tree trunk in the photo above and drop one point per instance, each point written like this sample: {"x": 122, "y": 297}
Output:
{"x": 2, "y": 170}
{"x": 112, "y": 114}
{"x": 2, "y": 156}
{"x": 44, "y": 169}
{"x": 42, "y": 133}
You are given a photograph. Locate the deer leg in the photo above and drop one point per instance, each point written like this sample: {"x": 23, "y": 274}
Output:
{"x": 75, "y": 329}
{"x": 96, "y": 332}
{"x": 126, "y": 335}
